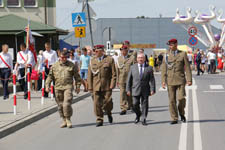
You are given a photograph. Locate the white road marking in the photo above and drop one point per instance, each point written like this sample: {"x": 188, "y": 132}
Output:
{"x": 213, "y": 91}
{"x": 184, "y": 126}
{"x": 216, "y": 87}
{"x": 197, "y": 131}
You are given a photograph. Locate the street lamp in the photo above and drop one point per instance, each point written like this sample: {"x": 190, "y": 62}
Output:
{"x": 110, "y": 28}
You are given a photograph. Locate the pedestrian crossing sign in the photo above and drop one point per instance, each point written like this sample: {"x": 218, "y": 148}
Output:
{"x": 78, "y": 19}
{"x": 79, "y": 32}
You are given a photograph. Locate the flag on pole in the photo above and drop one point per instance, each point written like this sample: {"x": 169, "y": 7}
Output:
{"x": 30, "y": 42}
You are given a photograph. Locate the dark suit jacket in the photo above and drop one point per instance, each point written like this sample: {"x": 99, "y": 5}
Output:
{"x": 143, "y": 86}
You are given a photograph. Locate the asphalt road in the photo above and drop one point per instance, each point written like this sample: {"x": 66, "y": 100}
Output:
{"x": 204, "y": 130}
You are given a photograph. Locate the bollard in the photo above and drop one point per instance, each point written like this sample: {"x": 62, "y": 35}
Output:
{"x": 43, "y": 87}
{"x": 52, "y": 91}
{"x": 28, "y": 87}
{"x": 14, "y": 92}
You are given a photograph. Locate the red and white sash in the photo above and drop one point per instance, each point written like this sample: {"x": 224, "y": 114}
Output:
{"x": 4, "y": 62}
{"x": 22, "y": 57}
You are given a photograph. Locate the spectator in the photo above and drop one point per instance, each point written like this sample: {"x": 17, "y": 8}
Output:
{"x": 146, "y": 56}
{"x": 151, "y": 61}
{"x": 40, "y": 68}
{"x": 212, "y": 58}
{"x": 198, "y": 61}
{"x": 155, "y": 63}
{"x": 203, "y": 61}
{"x": 160, "y": 59}
{"x": 189, "y": 55}
{"x": 85, "y": 61}
{"x": 220, "y": 61}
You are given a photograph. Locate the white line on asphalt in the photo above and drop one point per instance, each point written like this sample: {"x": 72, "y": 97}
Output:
{"x": 184, "y": 126}
{"x": 216, "y": 87}
{"x": 213, "y": 91}
{"x": 197, "y": 131}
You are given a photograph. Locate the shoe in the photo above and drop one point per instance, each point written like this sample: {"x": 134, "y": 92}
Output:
{"x": 137, "y": 120}
{"x": 99, "y": 124}
{"x": 110, "y": 118}
{"x": 123, "y": 112}
{"x": 68, "y": 123}
{"x": 144, "y": 122}
{"x": 183, "y": 119}
{"x": 25, "y": 96}
{"x": 174, "y": 122}
{"x": 64, "y": 124}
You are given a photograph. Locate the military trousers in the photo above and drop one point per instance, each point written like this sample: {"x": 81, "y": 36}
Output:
{"x": 125, "y": 100}
{"x": 64, "y": 101}
{"x": 102, "y": 101}
{"x": 176, "y": 92}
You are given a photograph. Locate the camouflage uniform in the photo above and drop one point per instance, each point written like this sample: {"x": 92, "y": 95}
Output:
{"x": 62, "y": 74}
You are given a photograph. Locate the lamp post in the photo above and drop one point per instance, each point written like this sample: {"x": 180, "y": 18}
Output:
{"x": 110, "y": 33}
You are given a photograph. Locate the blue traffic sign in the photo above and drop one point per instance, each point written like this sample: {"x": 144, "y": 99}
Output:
{"x": 78, "y": 19}
{"x": 193, "y": 40}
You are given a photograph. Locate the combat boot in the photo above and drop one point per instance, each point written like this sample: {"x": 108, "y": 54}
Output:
{"x": 64, "y": 124}
{"x": 69, "y": 123}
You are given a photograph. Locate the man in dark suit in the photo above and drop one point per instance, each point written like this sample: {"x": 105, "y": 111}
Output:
{"x": 141, "y": 83}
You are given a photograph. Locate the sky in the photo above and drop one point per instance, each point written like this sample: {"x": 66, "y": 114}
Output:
{"x": 133, "y": 8}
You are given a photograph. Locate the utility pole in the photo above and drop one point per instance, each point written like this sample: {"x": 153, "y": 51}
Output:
{"x": 90, "y": 27}
{"x": 45, "y": 5}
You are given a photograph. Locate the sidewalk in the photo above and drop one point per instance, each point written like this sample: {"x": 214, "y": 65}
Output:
{"x": 10, "y": 123}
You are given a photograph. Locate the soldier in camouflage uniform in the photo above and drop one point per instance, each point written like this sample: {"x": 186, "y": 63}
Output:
{"x": 62, "y": 73}
{"x": 123, "y": 67}
{"x": 132, "y": 52}
{"x": 101, "y": 81}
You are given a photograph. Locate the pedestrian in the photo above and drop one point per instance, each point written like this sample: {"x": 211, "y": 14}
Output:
{"x": 160, "y": 59}
{"x": 141, "y": 85}
{"x": 125, "y": 61}
{"x": 62, "y": 74}
{"x": 212, "y": 58}
{"x": 6, "y": 66}
{"x": 151, "y": 61}
{"x": 25, "y": 61}
{"x": 101, "y": 81}
{"x": 220, "y": 61}
{"x": 84, "y": 63}
{"x": 40, "y": 68}
{"x": 173, "y": 75}
{"x": 189, "y": 55}
{"x": 198, "y": 61}
{"x": 156, "y": 63}
{"x": 49, "y": 59}
{"x": 203, "y": 61}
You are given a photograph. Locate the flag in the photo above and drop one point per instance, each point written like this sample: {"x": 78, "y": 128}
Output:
{"x": 30, "y": 42}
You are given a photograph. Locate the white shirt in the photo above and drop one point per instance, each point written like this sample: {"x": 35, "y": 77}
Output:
{"x": 143, "y": 68}
{"x": 211, "y": 56}
{"x": 72, "y": 60}
{"x": 28, "y": 56}
{"x": 51, "y": 56}
{"x": 189, "y": 57}
{"x": 8, "y": 59}
{"x": 40, "y": 63}
{"x": 219, "y": 55}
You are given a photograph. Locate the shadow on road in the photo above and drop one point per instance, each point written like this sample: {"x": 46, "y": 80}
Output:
{"x": 206, "y": 121}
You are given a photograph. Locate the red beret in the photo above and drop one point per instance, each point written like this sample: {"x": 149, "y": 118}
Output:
{"x": 172, "y": 41}
{"x": 99, "y": 46}
{"x": 126, "y": 42}
{"x": 124, "y": 47}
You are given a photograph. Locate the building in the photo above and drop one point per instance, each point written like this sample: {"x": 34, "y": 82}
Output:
{"x": 137, "y": 30}
{"x": 12, "y": 32}
{"x": 43, "y": 11}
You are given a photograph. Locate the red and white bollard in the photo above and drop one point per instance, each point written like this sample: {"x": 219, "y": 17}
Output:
{"x": 43, "y": 87}
{"x": 52, "y": 97}
{"x": 14, "y": 92}
{"x": 28, "y": 87}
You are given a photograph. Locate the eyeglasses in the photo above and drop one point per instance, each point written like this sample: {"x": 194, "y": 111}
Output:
{"x": 63, "y": 57}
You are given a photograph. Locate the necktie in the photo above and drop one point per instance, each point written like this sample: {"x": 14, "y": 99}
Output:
{"x": 141, "y": 71}
{"x": 174, "y": 53}
{"x": 100, "y": 59}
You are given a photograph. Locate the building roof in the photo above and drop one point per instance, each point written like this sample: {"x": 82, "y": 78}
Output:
{"x": 12, "y": 24}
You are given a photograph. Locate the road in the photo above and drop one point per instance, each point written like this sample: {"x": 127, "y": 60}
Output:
{"x": 204, "y": 130}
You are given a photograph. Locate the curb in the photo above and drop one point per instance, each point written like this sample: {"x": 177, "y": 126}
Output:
{"x": 23, "y": 122}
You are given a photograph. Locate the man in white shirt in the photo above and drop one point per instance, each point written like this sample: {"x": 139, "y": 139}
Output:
{"x": 6, "y": 65}
{"x": 25, "y": 61}
{"x": 49, "y": 58}
{"x": 212, "y": 58}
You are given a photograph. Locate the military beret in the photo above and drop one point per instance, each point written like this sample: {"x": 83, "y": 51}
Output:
{"x": 126, "y": 42}
{"x": 172, "y": 41}
{"x": 124, "y": 47}
{"x": 99, "y": 47}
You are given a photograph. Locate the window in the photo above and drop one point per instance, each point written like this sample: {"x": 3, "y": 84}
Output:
{"x": 30, "y": 3}
{"x": 13, "y": 3}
